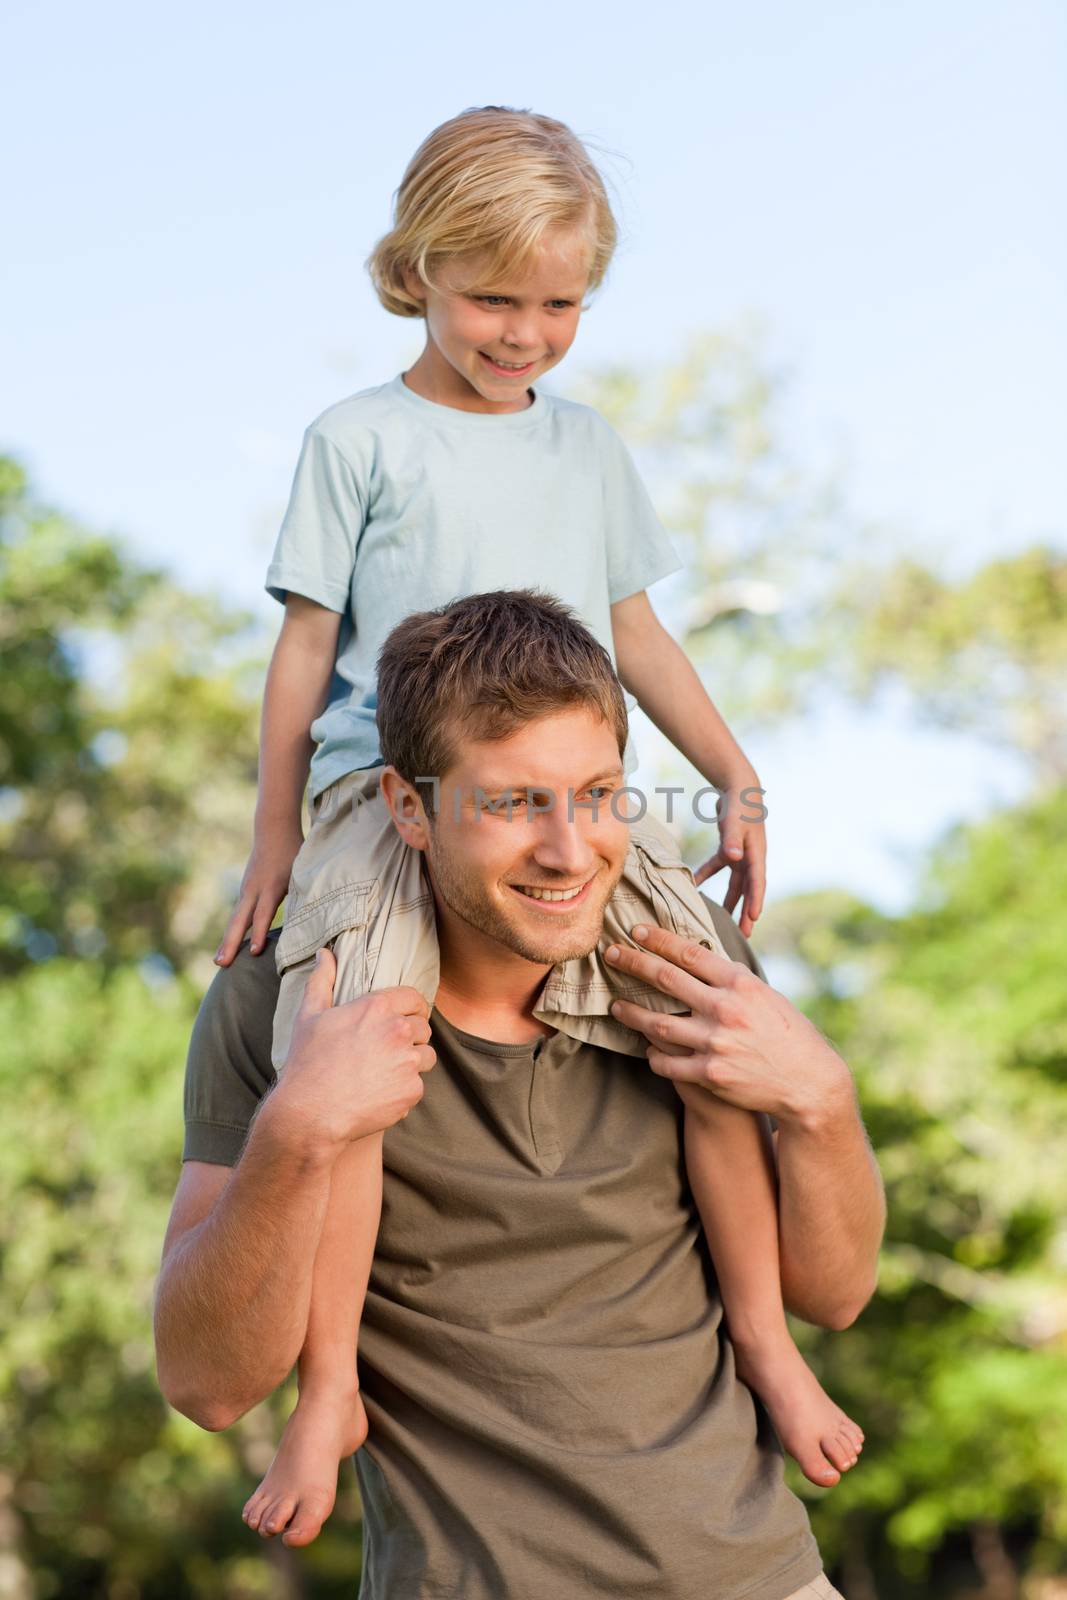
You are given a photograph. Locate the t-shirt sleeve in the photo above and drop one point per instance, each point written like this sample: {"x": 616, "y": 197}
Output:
{"x": 228, "y": 1069}
{"x": 639, "y": 549}
{"x": 316, "y": 550}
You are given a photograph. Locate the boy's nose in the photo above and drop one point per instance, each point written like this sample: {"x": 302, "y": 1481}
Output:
{"x": 522, "y": 337}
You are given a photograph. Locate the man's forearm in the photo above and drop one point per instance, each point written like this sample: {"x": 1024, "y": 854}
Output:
{"x": 233, "y": 1293}
{"x": 831, "y": 1209}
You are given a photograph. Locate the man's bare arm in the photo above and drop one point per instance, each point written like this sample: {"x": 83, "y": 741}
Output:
{"x": 831, "y": 1212}
{"x": 235, "y": 1283}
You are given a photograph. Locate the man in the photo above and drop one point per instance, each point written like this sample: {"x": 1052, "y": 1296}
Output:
{"x": 552, "y": 1409}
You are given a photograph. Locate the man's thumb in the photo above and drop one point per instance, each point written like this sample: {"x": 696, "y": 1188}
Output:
{"x": 318, "y": 994}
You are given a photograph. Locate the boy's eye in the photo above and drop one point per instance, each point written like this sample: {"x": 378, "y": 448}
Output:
{"x": 491, "y": 298}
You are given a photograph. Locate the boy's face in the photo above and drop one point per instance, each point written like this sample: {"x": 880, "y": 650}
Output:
{"x": 472, "y": 326}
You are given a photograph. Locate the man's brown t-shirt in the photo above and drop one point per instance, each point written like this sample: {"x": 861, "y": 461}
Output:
{"x": 552, "y": 1410}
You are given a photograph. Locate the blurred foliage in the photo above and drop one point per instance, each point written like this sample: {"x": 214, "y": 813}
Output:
{"x": 792, "y": 599}
{"x": 127, "y": 763}
{"x": 127, "y": 747}
{"x": 128, "y": 710}
{"x": 954, "y": 1022}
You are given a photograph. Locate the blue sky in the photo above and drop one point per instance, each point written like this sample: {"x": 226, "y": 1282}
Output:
{"x": 194, "y": 192}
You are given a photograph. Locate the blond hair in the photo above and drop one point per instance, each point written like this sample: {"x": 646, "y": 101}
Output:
{"x": 490, "y": 182}
{"x": 483, "y": 666}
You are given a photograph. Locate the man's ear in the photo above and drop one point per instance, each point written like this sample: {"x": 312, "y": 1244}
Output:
{"x": 406, "y": 809}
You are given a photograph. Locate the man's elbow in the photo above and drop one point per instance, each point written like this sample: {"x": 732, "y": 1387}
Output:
{"x": 841, "y": 1317}
{"x": 185, "y": 1391}
{"x": 207, "y": 1411}
{"x": 832, "y": 1314}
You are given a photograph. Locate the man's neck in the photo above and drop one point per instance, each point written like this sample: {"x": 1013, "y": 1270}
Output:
{"x": 486, "y": 989}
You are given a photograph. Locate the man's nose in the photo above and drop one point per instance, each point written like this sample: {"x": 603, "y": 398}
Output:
{"x": 562, "y": 845}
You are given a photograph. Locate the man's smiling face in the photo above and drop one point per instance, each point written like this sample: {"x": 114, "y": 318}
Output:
{"x": 537, "y": 883}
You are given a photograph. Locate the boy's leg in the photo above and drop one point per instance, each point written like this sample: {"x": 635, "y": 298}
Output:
{"x": 731, "y": 1172}
{"x": 395, "y": 943}
{"x": 328, "y": 1422}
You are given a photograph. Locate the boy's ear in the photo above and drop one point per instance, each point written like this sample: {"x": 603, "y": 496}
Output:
{"x": 413, "y": 283}
{"x": 406, "y": 809}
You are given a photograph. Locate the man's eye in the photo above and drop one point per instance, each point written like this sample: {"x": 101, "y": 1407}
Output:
{"x": 597, "y": 795}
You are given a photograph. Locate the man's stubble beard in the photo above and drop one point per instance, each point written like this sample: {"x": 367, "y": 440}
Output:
{"x": 486, "y": 918}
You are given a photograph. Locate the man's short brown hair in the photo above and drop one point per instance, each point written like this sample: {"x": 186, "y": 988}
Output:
{"x": 484, "y": 666}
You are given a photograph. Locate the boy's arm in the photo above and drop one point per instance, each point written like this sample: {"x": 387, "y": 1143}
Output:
{"x": 297, "y": 685}
{"x": 652, "y": 666}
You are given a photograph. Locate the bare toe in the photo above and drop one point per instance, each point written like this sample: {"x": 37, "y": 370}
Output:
{"x": 837, "y": 1447}
{"x": 816, "y": 1467}
{"x": 307, "y": 1524}
{"x": 279, "y": 1515}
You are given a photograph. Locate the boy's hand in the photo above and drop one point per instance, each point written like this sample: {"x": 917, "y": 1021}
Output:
{"x": 263, "y": 888}
{"x": 742, "y": 848}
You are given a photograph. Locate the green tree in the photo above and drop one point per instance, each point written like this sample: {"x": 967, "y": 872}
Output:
{"x": 127, "y": 747}
{"x": 954, "y": 1021}
{"x": 127, "y": 765}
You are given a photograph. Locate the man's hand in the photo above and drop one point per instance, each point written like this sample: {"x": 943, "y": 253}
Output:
{"x": 742, "y": 1039}
{"x": 353, "y": 1069}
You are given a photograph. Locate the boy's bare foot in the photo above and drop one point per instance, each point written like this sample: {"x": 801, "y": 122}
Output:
{"x": 822, "y": 1440}
{"x": 299, "y": 1490}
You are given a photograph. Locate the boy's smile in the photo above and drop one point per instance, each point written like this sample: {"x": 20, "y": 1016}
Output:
{"x": 486, "y": 341}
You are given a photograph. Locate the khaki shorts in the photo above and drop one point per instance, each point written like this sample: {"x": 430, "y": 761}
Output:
{"x": 819, "y": 1588}
{"x": 357, "y": 887}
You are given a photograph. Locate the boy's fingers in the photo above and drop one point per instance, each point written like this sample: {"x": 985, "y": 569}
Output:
{"x": 733, "y": 893}
{"x": 264, "y": 916}
{"x": 710, "y": 868}
{"x": 732, "y": 847}
{"x": 235, "y": 932}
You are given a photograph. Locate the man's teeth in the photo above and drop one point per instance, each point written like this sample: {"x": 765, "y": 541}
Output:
{"x": 553, "y": 894}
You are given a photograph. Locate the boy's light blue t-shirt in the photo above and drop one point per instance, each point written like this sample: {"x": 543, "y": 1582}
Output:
{"x": 400, "y": 504}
